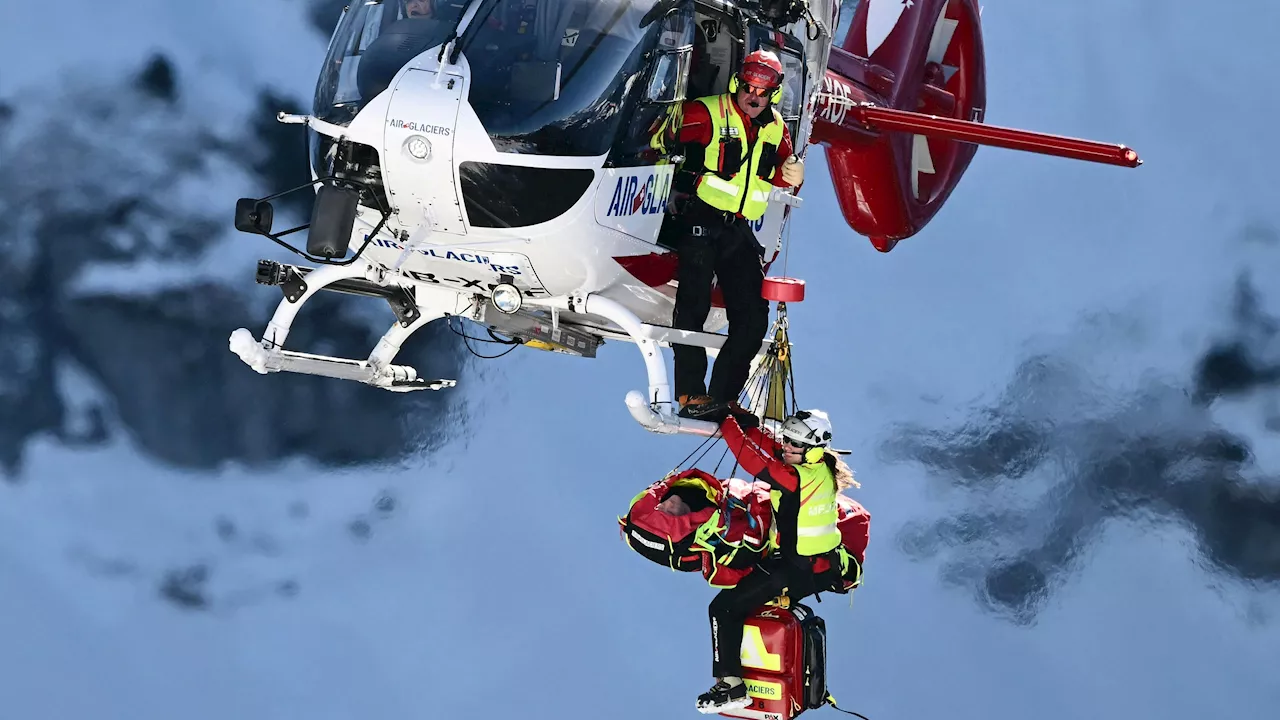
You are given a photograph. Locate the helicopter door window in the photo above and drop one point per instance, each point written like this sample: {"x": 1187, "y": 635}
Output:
{"x": 719, "y": 53}
{"x": 669, "y": 71}
{"x": 667, "y": 79}
{"x": 793, "y": 86}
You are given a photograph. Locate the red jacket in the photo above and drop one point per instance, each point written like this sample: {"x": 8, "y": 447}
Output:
{"x": 757, "y": 453}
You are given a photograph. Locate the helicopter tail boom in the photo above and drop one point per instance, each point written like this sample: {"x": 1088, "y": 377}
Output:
{"x": 943, "y": 128}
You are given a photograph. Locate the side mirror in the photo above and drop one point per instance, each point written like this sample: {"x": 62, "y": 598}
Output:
{"x": 254, "y": 216}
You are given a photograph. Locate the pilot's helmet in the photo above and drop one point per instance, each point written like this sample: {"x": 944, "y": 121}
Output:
{"x": 761, "y": 72}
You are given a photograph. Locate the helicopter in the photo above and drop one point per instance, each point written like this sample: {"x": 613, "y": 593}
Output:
{"x": 494, "y": 160}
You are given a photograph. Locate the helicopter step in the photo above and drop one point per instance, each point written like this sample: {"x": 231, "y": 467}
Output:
{"x": 413, "y": 305}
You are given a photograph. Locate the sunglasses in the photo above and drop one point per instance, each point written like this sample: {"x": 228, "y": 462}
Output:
{"x": 753, "y": 90}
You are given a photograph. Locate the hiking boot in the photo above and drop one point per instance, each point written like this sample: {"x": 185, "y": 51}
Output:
{"x": 714, "y": 412}
{"x": 690, "y": 405}
{"x": 722, "y": 696}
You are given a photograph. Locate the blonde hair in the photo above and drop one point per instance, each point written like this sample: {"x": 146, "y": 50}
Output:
{"x": 842, "y": 471}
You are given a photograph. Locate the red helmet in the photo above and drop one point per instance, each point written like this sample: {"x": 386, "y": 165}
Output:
{"x": 762, "y": 69}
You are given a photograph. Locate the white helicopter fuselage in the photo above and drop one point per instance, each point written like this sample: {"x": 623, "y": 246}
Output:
{"x": 578, "y": 238}
{"x": 619, "y": 216}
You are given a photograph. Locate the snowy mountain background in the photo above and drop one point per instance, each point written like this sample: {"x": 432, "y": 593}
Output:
{"x": 1063, "y": 399}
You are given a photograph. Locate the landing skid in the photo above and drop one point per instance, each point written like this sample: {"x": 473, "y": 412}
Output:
{"x": 416, "y": 304}
{"x": 414, "y": 307}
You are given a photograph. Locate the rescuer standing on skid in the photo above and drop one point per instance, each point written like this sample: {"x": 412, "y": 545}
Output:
{"x": 738, "y": 150}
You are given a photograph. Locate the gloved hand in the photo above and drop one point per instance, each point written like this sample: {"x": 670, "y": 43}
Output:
{"x": 746, "y": 419}
{"x": 793, "y": 171}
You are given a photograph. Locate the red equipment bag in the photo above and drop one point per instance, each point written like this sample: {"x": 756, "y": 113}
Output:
{"x": 662, "y": 521}
{"x": 855, "y": 531}
{"x": 855, "y": 526}
{"x": 784, "y": 663}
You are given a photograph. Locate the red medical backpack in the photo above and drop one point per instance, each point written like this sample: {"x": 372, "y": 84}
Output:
{"x": 784, "y": 663}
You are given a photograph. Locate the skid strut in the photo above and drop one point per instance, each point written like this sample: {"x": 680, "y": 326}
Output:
{"x": 655, "y": 411}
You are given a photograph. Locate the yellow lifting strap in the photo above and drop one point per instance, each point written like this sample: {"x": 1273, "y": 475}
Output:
{"x": 776, "y": 366}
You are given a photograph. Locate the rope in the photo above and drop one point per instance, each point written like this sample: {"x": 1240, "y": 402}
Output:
{"x": 723, "y": 455}
{"x": 703, "y": 444}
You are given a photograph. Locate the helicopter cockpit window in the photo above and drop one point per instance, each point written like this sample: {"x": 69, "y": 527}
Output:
{"x": 373, "y": 41}
{"x": 669, "y": 71}
{"x": 548, "y": 77}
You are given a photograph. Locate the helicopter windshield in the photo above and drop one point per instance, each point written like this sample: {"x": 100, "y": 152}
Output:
{"x": 372, "y": 42}
{"x": 549, "y": 76}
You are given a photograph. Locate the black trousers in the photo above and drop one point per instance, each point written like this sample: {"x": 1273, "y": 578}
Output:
{"x": 731, "y": 607}
{"x": 730, "y": 253}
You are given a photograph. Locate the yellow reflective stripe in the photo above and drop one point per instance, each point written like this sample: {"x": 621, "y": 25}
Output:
{"x": 755, "y": 654}
{"x": 817, "y": 531}
{"x": 715, "y": 183}
{"x": 718, "y": 193}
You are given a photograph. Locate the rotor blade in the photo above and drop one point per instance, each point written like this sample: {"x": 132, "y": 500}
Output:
{"x": 941, "y": 39}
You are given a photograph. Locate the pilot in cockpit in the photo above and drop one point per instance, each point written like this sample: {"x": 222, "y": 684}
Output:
{"x": 419, "y": 8}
